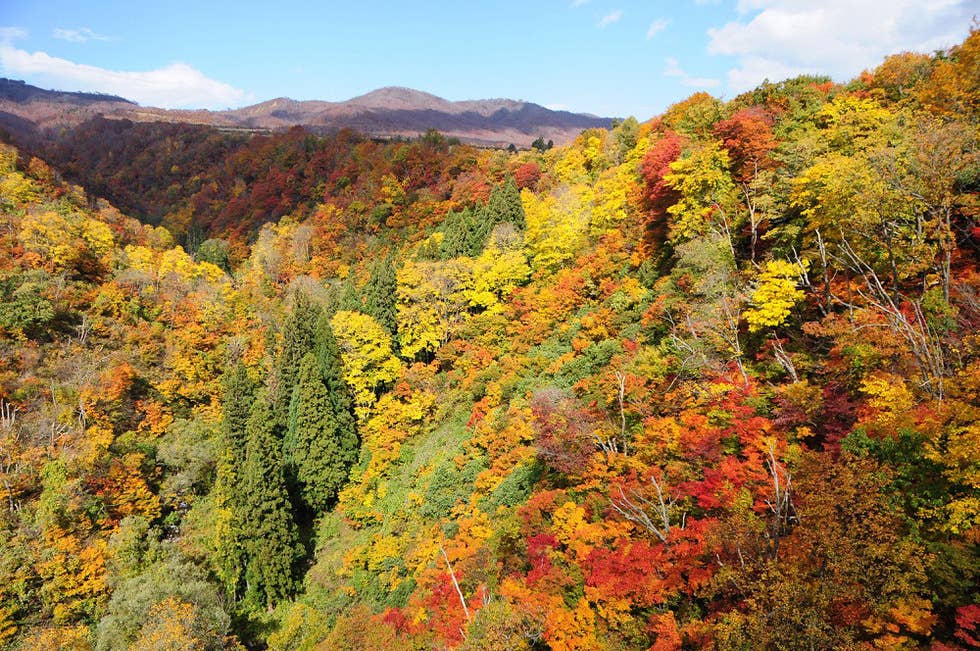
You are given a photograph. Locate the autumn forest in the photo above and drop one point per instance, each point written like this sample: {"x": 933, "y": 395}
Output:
{"x": 708, "y": 381}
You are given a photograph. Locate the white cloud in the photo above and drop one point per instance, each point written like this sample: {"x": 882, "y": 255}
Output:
{"x": 610, "y": 18}
{"x": 776, "y": 39}
{"x": 656, "y": 27}
{"x": 80, "y": 35}
{"x": 8, "y": 34}
{"x": 175, "y": 86}
{"x": 673, "y": 69}
{"x": 579, "y": 3}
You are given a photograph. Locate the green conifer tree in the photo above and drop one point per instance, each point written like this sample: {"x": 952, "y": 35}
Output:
{"x": 381, "y": 295}
{"x": 350, "y": 298}
{"x": 272, "y": 544}
{"x": 505, "y": 205}
{"x": 297, "y": 341}
{"x": 321, "y": 452}
{"x": 239, "y": 393}
{"x": 331, "y": 369}
{"x": 236, "y": 406}
{"x": 478, "y": 231}
{"x": 456, "y": 234}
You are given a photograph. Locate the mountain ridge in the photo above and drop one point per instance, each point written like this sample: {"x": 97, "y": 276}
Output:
{"x": 389, "y": 111}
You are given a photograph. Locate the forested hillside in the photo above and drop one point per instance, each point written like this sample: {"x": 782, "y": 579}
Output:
{"x": 707, "y": 381}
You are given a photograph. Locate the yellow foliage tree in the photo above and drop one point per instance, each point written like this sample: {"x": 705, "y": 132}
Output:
{"x": 499, "y": 270}
{"x": 63, "y": 242}
{"x": 708, "y": 198}
{"x": 612, "y": 193}
{"x": 775, "y": 295}
{"x": 556, "y": 225}
{"x": 365, "y": 349}
{"x": 431, "y": 301}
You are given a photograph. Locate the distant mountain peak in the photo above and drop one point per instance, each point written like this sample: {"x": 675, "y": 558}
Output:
{"x": 399, "y": 98}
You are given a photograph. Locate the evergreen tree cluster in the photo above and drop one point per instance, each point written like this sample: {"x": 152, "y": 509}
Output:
{"x": 465, "y": 233}
{"x": 288, "y": 452}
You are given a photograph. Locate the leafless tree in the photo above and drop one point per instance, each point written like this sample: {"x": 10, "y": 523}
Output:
{"x": 781, "y": 502}
{"x": 654, "y": 514}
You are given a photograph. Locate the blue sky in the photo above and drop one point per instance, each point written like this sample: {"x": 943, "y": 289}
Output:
{"x": 609, "y": 57}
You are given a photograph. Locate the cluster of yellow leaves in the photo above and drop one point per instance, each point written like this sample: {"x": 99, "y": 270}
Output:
{"x": 890, "y": 401}
{"x": 8, "y": 626}
{"x": 302, "y": 629}
{"x": 126, "y": 491}
{"x": 365, "y": 349}
{"x": 831, "y": 193}
{"x": 705, "y": 188}
{"x": 431, "y": 302}
{"x": 775, "y": 295}
{"x": 170, "y": 625}
{"x": 556, "y": 225}
{"x": 74, "y": 574}
{"x": 392, "y": 190}
{"x": 567, "y": 519}
{"x": 396, "y": 419}
{"x": 612, "y": 198}
{"x": 571, "y": 630}
{"x": 898, "y": 628}
{"x": 499, "y": 270}
{"x": 507, "y": 445}
{"x": 955, "y": 446}
{"x": 62, "y": 638}
{"x": 62, "y": 241}
{"x": 15, "y": 188}
{"x": 193, "y": 354}
{"x": 850, "y": 121}
{"x": 158, "y": 265}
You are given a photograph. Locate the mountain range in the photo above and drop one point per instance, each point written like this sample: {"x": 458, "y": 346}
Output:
{"x": 384, "y": 113}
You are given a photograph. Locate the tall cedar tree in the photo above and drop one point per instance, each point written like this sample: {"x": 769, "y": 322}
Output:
{"x": 297, "y": 341}
{"x": 236, "y": 406}
{"x": 457, "y": 232}
{"x": 239, "y": 394}
{"x": 381, "y": 294}
{"x": 350, "y": 298}
{"x": 505, "y": 205}
{"x": 320, "y": 450}
{"x": 465, "y": 233}
{"x": 272, "y": 546}
{"x": 331, "y": 369}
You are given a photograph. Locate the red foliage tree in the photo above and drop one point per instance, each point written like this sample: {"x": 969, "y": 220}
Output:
{"x": 656, "y": 195}
{"x": 527, "y": 176}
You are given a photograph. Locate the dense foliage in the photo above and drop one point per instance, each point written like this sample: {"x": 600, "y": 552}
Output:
{"x": 709, "y": 381}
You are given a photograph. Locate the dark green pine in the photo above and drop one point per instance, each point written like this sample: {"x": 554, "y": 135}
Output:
{"x": 271, "y": 540}
{"x": 298, "y": 334}
{"x": 322, "y": 451}
{"x": 350, "y": 298}
{"x": 505, "y": 205}
{"x": 481, "y": 224}
{"x": 331, "y": 369}
{"x": 381, "y": 295}
{"x": 456, "y": 234}
{"x": 236, "y": 407}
